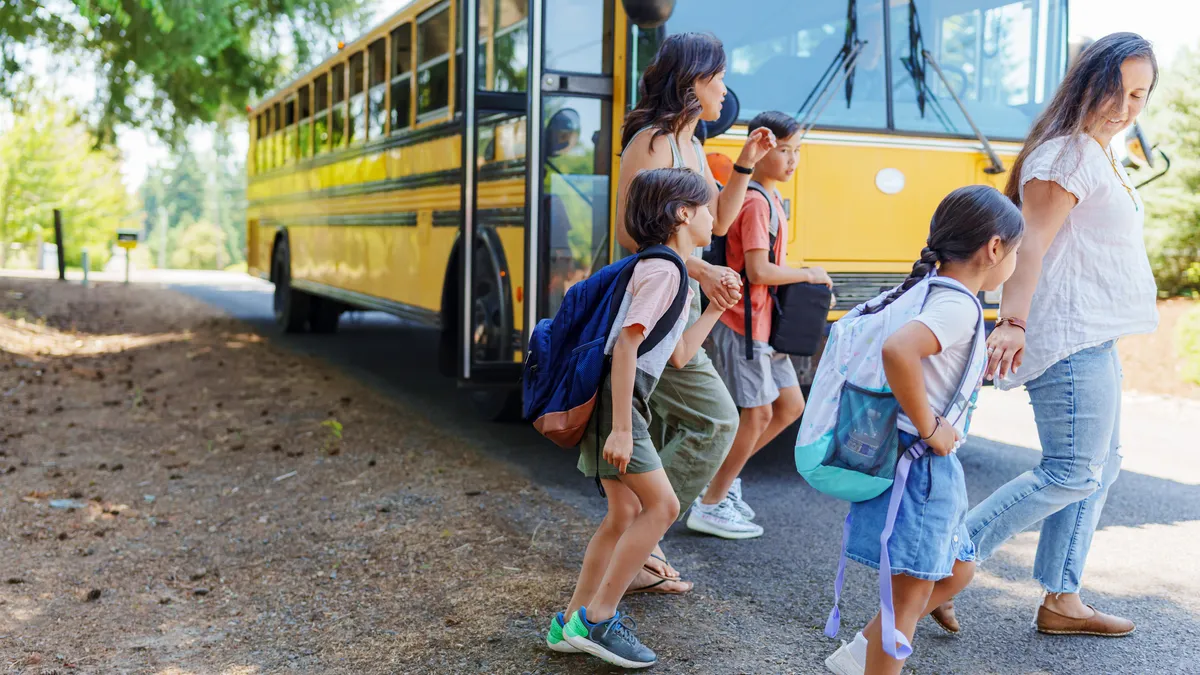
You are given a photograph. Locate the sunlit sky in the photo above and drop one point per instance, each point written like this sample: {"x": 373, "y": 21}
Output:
{"x": 1163, "y": 22}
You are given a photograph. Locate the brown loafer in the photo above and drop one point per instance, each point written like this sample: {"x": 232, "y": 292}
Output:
{"x": 1099, "y": 623}
{"x": 944, "y": 616}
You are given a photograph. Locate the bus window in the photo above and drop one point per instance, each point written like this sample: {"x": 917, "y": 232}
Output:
{"x": 376, "y": 94}
{"x": 433, "y": 59}
{"x": 321, "y": 104}
{"x": 276, "y": 136}
{"x": 304, "y": 128}
{"x": 337, "y": 121}
{"x": 510, "y": 45}
{"x": 357, "y": 118}
{"x": 289, "y": 131}
{"x": 994, "y": 55}
{"x": 576, "y": 34}
{"x": 402, "y": 55}
{"x": 774, "y": 64}
{"x": 259, "y": 143}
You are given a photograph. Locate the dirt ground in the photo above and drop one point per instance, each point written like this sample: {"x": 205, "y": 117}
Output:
{"x": 177, "y": 496}
{"x": 1151, "y": 363}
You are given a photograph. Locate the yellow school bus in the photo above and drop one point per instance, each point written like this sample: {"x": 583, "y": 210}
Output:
{"x": 456, "y": 164}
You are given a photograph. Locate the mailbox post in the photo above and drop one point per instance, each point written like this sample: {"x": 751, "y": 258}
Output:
{"x": 128, "y": 240}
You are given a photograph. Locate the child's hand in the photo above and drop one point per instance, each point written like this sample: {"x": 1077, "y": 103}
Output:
{"x": 758, "y": 144}
{"x": 818, "y": 275}
{"x": 618, "y": 449}
{"x": 732, "y": 280}
{"x": 945, "y": 440}
{"x": 720, "y": 304}
{"x": 714, "y": 282}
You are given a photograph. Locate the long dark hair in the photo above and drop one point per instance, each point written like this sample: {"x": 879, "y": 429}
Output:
{"x": 1091, "y": 84}
{"x": 654, "y": 200}
{"x": 963, "y": 223}
{"x": 666, "y": 93}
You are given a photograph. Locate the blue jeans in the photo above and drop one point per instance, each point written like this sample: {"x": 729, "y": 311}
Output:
{"x": 1077, "y": 406}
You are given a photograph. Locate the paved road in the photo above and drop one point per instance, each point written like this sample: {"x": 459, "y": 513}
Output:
{"x": 1144, "y": 559}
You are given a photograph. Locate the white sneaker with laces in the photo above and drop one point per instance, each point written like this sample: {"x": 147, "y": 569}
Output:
{"x": 735, "y": 496}
{"x": 850, "y": 658}
{"x": 721, "y": 520}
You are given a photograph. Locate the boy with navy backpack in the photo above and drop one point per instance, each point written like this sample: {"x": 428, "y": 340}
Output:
{"x": 761, "y": 380}
{"x": 667, "y": 214}
{"x": 889, "y": 406}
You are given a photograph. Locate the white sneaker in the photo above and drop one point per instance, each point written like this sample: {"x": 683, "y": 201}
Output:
{"x": 850, "y": 658}
{"x": 721, "y": 520}
{"x": 735, "y": 496}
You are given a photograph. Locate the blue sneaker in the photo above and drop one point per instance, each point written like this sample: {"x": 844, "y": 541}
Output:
{"x": 614, "y": 641}
{"x": 554, "y": 636}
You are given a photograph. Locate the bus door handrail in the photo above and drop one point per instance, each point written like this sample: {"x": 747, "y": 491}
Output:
{"x": 997, "y": 166}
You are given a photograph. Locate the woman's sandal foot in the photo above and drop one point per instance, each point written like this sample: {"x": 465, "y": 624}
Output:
{"x": 646, "y": 582}
{"x": 944, "y": 616}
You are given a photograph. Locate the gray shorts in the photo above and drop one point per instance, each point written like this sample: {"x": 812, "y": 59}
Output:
{"x": 755, "y": 382}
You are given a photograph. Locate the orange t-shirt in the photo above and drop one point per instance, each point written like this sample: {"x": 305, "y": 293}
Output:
{"x": 751, "y": 231}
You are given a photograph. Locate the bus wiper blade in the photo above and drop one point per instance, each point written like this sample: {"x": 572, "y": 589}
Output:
{"x": 997, "y": 166}
{"x": 848, "y": 58}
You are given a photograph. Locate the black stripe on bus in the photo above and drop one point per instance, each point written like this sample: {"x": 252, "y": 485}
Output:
{"x": 399, "y": 219}
{"x": 497, "y": 171}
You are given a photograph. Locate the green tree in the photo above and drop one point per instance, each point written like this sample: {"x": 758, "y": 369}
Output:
{"x": 170, "y": 63}
{"x": 49, "y": 160}
{"x": 1173, "y": 202}
{"x": 200, "y": 245}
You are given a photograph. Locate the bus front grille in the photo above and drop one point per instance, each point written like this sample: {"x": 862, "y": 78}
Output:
{"x": 853, "y": 289}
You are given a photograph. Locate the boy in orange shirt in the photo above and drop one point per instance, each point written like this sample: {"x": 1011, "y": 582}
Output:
{"x": 765, "y": 386}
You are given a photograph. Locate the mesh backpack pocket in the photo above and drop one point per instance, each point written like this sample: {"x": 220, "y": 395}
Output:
{"x": 865, "y": 436}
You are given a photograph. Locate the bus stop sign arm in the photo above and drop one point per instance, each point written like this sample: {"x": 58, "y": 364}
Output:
{"x": 997, "y": 166}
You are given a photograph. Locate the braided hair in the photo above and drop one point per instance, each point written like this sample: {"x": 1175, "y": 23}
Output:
{"x": 963, "y": 223}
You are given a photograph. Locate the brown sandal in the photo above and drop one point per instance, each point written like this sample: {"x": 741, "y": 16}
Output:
{"x": 943, "y": 615}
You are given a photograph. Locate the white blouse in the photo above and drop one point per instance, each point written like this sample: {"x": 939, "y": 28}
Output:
{"x": 1096, "y": 284}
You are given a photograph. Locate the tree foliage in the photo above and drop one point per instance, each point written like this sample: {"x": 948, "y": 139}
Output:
{"x": 195, "y": 208}
{"x": 1173, "y": 203}
{"x": 49, "y": 160}
{"x": 170, "y": 63}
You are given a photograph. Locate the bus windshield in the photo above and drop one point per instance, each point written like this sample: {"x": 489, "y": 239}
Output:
{"x": 1003, "y": 58}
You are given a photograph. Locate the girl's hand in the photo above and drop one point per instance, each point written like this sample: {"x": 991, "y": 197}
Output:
{"x": 719, "y": 305}
{"x": 1005, "y": 350}
{"x": 715, "y": 282}
{"x": 758, "y": 144}
{"x": 618, "y": 449}
{"x": 945, "y": 440}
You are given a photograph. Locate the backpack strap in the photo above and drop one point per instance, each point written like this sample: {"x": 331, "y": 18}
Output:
{"x": 667, "y": 322}
{"x": 980, "y": 329}
{"x": 773, "y": 236}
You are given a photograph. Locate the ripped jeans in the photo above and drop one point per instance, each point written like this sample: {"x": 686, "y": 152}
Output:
{"x": 1077, "y": 405}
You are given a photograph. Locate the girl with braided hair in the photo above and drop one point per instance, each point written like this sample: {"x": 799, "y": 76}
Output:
{"x": 973, "y": 242}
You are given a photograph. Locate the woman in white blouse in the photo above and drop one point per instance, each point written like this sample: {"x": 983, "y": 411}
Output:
{"x": 1082, "y": 282}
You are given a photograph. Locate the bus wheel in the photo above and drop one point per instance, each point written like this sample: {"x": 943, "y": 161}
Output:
{"x": 490, "y": 310}
{"x": 498, "y": 404}
{"x": 323, "y": 315}
{"x": 291, "y": 305}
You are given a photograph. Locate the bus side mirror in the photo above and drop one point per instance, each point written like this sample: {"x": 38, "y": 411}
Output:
{"x": 647, "y": 14}
{"x": 1141, "y": 152}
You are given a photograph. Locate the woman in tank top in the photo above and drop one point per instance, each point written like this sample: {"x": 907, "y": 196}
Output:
{"x": 1082, "y": 282}
{"x": 694, "y": 418}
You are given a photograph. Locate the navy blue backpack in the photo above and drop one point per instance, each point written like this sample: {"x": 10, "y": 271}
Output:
{"x": 566, "y": 364}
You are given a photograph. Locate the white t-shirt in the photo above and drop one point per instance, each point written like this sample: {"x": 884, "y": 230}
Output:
{"x": 953, "y": 317}
{"x": 1096, "y": 283}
